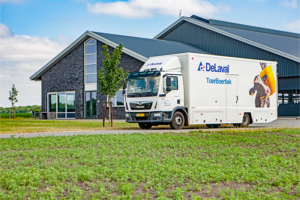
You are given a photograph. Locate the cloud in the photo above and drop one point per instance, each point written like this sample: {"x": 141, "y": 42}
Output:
{"x": 293, "y": 25}
{"x": 20, "y": 48}
{"x": 5, "y": 31}
{"x": 148, "y": 8}
{"x": 289, "y": 4}
{"x": 20, "y": 57}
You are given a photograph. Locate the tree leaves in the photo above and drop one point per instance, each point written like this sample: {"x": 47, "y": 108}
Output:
{"x": 111, "y": 76}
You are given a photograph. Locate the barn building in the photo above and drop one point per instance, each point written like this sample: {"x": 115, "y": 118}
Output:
{"x": 69, "y": 81}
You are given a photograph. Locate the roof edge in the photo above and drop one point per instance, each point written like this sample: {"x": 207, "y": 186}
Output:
{"x": 114, "y": 45}
{"x": 253, "y": 28}
{"x": 207, "y": 26}
{"x": 85, "y": 35}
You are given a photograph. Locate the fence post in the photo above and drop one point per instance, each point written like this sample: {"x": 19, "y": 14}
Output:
{"x": 104, "y": 114}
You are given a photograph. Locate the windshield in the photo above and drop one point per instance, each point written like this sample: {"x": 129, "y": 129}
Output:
{"x": 143, "y": 84}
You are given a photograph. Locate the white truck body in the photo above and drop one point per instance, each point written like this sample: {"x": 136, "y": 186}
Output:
{"x": 210, "y": 90}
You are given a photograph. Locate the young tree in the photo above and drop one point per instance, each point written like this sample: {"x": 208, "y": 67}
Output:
{"x": 111, "y": 77}
{"x": 13, "y": 98}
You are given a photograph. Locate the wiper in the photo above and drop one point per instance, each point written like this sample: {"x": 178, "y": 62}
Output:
{"x": 149, "y": 93}
{"x": 134, "y": 94}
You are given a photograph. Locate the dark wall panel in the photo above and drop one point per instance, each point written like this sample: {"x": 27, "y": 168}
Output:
{"x": 66, "y": 75}
{"x": 218, "y": 44}
{"x": 291, "y": 83}
{"x": 289, "y": 110}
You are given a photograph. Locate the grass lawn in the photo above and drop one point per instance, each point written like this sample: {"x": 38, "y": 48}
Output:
{"x": 254, "y": 164}
{"x": 15, "y": 126}
{"x": 9, "y": 126}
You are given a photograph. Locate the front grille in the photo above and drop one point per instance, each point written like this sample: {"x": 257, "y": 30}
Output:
{"x": 141, "y": 106}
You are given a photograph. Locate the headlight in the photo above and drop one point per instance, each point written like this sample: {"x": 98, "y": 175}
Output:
{"x": 126, "y": 115}
{"x": 156, "y": 114}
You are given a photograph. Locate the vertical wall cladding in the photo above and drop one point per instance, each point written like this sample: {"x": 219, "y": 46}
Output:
{"x": 66, "y": 75}
{"x": 218, "y": 44}
{"x": 128, "y": 63}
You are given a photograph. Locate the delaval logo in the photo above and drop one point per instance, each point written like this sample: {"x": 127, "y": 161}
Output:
{"x": 213, "y": 68}
{"x": 149, "y": 64}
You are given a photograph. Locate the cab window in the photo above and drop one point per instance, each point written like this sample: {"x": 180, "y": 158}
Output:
{"x": 174, "y": 83}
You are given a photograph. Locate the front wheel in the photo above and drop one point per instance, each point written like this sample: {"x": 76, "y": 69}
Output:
{"x": 145, "y": 126}
{"x": 177, "y": 121}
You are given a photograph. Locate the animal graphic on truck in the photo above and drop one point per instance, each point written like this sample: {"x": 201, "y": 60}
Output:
{"x": 190, "y": 89}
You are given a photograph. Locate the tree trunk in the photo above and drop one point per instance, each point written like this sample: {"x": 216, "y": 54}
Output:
{"x": 109, "y": 109}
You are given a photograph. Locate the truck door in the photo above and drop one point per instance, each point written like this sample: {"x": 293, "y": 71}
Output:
{"x": 231, "y": 98}
{"x": 170, "y": 101}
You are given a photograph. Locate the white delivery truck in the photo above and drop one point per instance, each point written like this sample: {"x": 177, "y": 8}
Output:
{"x": 191, "y": 89}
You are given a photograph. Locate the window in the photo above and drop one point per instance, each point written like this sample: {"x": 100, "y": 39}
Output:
{"x": 289, "y": 96}
{"x": 174, "y": 83}
{"x": 280, "y": 97}
{"x": 70, "y": 102}
{"x": 90, "y": 61}
{"x": 52, "y": 102}
{"x": 63, "y": 103}
{"x": 119, "y": 99}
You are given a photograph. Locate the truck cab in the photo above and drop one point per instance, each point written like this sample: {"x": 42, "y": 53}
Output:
{"x": 155, "y": 94}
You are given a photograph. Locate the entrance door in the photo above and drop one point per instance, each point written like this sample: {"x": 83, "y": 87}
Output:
{"x": 90, "y": 105}
{"x": 231, "y": 98}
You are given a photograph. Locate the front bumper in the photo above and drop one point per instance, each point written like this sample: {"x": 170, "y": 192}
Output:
{"x": 149, "y": 117}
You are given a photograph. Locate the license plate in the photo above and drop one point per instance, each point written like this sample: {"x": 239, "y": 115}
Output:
{"x": 140, "y": 114}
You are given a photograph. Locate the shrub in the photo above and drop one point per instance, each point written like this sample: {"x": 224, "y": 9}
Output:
{"x": 18, "y": 115}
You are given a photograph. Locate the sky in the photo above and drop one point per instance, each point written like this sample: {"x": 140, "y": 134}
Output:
{"x": 32, "y": 32}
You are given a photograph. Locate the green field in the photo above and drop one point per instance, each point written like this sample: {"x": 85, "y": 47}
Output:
{"x": 255, "y": 164}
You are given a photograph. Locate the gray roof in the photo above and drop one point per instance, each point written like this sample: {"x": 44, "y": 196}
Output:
{"x": 285, "y": 44}
{"x": 290, "y": 45}
{"x": 139, "y": 48}
{"x": 150, "y": 47}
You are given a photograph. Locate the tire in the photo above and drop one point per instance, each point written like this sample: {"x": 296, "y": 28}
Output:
{"x": 213, "y": 125}
{"x": 245, "y": 122}
{"x": 145, "y": 126}
{"x": 177, "y": 121}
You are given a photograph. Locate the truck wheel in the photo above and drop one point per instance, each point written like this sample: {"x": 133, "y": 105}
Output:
{"x": 213, "y": 125}
{"x": 177, "y": 121}
{"x": 145, "y": 126}
{"x": 245, "y": 122}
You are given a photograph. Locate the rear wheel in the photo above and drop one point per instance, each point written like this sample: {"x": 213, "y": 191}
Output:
{"x": 213, "y": 125}
{"x": 245, "y": 122}
{"x": 177, "y": 121}
{"x": 145, "y": 126}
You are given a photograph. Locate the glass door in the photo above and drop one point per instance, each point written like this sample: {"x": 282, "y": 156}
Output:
{"x": 91, "y": 105}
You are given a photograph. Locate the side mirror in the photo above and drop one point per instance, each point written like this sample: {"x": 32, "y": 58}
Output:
{"x": 125, "y": 85}
{"x": 168, "y": 84}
